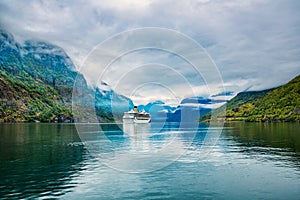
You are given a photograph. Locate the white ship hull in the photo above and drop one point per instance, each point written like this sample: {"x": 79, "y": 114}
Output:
{"x": 142, "y": 121}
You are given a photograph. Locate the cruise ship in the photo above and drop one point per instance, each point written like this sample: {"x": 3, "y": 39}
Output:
{"x": 135, "y": 116}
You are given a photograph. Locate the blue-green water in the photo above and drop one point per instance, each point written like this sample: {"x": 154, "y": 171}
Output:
{"x": 248, "y": 161}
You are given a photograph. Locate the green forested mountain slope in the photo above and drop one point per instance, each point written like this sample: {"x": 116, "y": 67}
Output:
{"x": 36, "y": 84}
{"x": 282, "y": 104}
{"x": 36, "y": 81}
{"x": 279, "y": 104}
{"x": 26, "y": 99}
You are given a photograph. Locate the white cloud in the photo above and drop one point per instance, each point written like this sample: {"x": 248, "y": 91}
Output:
{"x": 255, "y": 43}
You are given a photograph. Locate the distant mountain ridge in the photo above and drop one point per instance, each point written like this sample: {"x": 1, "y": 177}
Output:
{"x": 277, "y": 104}
{"x": 189, "y": 109}
{"x": 36, "y": 84}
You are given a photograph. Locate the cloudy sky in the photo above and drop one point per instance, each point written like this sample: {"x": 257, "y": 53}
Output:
{"x": 254, "y": 44}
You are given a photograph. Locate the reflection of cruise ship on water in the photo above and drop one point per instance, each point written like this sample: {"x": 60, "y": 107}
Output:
{"x": 139, "y": 117}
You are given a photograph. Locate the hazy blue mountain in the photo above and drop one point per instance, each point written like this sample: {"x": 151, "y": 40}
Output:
{"x": 111, "y": 105}
{"x": 201, "y": 100}
{"x": 10, "y": 54}
{"x": 189, "y": 109}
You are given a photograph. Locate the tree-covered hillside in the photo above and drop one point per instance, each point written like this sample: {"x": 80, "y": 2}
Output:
{"x": 282, "y": 104}
{"x": 279, "y": 104}
{"x": 36, "y": 84}
{"x": 36, "y": 81}
{"x": 26, "y": 99}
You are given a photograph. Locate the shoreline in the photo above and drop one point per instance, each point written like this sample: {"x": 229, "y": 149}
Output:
{"x": 118, "y": 122}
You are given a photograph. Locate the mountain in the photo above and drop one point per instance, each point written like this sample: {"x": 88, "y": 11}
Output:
{"x": 26, "y": 87}
{"x": 278, "y": 104}
{"x": 200, "y": 100}
{"x": 236, "y": 102}
{"x": 191, "y": 108}
{"x": 188, "y": 110}
{"x": 111, "y": 106}
{"x": 37, "y": 81}
{"x": 157, "y": 109}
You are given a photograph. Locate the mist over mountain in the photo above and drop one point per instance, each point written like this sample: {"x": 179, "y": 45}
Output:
{"x": 37, "y": 81}
{"x": 189, "y": 109}
{"x": 36, "y": 84}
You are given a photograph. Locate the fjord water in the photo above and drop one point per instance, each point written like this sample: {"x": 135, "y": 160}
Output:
{"x": 248, "y": 161}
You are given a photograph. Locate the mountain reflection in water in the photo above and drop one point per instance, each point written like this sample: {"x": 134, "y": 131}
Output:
{"x": 150, "y": 161}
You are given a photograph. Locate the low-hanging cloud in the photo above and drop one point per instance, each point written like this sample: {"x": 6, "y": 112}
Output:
{"x": 254, "y": 43}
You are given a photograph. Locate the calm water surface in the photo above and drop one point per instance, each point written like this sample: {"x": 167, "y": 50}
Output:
{"x": 248, "y": 161}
